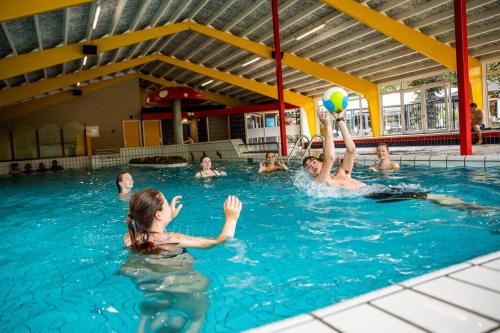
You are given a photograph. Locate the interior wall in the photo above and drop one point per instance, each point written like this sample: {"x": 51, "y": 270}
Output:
{"x": 106, "y": 108}
{"x": 218, "y": 128}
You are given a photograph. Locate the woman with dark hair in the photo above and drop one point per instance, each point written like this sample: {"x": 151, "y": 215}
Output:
{"x": 150, "y": 213}
{"x": 124, "y": 183}
{"x": 174, "y": 298}
{"x": 206, "y": 169}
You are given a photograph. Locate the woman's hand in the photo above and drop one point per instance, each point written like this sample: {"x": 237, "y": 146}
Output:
{"x": 232, "y": 208}
{"x": 175, "y": 210}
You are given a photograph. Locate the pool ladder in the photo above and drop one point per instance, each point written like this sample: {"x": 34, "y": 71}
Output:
{"x": 308, "y": 148}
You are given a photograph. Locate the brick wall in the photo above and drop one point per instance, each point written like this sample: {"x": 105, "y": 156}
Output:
{"x": 106, "y": 108}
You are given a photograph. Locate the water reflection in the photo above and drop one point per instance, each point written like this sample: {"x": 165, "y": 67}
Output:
{"x": 174, "y": 293}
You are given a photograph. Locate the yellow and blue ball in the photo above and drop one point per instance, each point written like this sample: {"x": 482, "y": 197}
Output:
{"x": 335, "y": 99}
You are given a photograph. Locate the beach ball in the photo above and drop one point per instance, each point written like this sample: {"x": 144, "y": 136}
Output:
{"x": 335, "y": 99}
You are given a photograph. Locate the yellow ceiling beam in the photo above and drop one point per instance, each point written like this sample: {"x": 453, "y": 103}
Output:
{"x": 312, "y": 68}
{"x": 14, "y": 9}
{"x": 416, "y": 40}
{"x": 12, "y": 95}
{"x": 252, "y": 85}
{"x": 261, "y": 88}
{"x": 225, "y": 100}
{"x": 26, "y": 63}
{"x": 43, "y": 102}
{"x": 17, "y": 65}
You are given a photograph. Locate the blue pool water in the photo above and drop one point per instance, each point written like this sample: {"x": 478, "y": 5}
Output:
{"x": 64, "y": 268}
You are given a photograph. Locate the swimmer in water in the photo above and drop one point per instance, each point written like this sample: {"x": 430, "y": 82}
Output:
{"x": 124, "y": 183}
{"x": 207, "y": 172}
{"x": 270, "y": 165}
{"x": 174, "y": 299}
{"x": 320, "y": 170}
{"x": 395, "y": 194}
{"x": 149, "y": 215}
{"x": 385, "y": 163}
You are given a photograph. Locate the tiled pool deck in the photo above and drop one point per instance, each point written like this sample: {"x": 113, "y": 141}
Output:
{"x": 460, "y": 298}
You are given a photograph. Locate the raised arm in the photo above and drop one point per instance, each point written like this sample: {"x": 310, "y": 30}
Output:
{"x": 232, "y": 209}
{"x": 350, "y": 152}
{"x": 328, "y": 146}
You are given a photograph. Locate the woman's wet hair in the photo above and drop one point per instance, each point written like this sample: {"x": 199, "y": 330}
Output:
{"x": 202, "y": 157}
{"x": 142, "y": 209}
{"x": 269, "y": 152}
{"x": 119, "y": 178}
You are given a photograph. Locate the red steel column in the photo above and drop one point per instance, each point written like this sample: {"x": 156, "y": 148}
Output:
{"x": 463, "y": 77}
{"x": 279, "y": 77}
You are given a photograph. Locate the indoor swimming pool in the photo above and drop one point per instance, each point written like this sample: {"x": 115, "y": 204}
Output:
{"x": 298, "y": 246}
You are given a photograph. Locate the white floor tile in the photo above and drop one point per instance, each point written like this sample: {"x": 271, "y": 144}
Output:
{"x": 480, "y": 276}
{"x": 495, "y": 264}
{"x": 433, "y": 315}
{"x": 366, "y": 318}
{"x": 495, "y": 331}
{"x": 434, "y": 275}
{"x": 477, "y": 299}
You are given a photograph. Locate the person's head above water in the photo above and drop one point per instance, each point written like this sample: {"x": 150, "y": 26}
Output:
{"x": 124, "y": 182}
{"x": 206, "y": 163}
{"x": 270, "y": 158}
{"x": 383, "y": 150}
{"x": 148, "y": 211}
{"x": 313, "y": 165}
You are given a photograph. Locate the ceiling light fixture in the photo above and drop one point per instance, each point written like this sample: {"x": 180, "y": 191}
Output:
{"x": 96, "y": 17}
{"x": 250, "y": 62}
{"x": 85, "y": 61}
{"x": 78, "y": 84}
{"x": 208, "y": 82}
{"x": 310, "y": 32}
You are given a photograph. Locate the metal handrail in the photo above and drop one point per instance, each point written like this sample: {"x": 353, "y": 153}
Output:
{"x": 295, "y": 146}
{"x": 308, "y": 149}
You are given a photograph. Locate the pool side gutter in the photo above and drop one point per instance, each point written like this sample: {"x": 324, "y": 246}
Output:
{"x": 459, "y": 298}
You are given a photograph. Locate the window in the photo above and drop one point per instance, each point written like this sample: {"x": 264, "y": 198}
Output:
{"x": 493, "y": 82}
{"x": 421, "y": 105}
{"x": 391, "y": 105}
